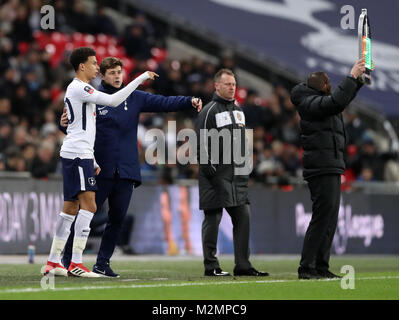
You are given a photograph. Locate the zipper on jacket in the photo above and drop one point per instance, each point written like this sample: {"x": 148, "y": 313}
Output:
{"x": 343, "y": 128}
{"x": 234, "y": 190}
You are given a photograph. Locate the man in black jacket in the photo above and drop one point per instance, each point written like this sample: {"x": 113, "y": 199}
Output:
{"x": 223, "y": 182}
{"x": 323, "y": 140}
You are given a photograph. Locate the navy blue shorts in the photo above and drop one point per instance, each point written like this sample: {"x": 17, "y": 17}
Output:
{"x": 78, "y": 175}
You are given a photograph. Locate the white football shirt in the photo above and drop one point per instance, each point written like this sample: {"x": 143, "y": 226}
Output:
{"x": 80, "y": 102}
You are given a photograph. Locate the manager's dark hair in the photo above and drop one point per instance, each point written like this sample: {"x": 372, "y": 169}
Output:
{"x": 110, "y": 63}
{"x": 80, "y": 55}
{"x": 317, "y": 80}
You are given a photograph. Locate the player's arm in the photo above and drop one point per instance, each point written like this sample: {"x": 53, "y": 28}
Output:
{"x": 114, "y": 100}
{"x": 87, "y": 93}
{"x": 63, "y": 124}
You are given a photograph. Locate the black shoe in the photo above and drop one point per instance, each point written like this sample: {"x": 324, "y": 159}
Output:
{"x": 105, "y": 271}
{"x": 252, "y": 272}
{"x": 216, "y": 273}
{"x": 328, "y": 274}
{"x": 308, "y": 273}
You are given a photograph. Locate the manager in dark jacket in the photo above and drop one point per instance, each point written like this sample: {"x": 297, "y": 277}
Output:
{"x": 224, "y": 184}
{"x": 323, "y": 140}
{"x": 115, "y": 151}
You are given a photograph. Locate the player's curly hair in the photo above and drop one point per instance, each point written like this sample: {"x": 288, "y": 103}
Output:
{"x": 80, "y": 55}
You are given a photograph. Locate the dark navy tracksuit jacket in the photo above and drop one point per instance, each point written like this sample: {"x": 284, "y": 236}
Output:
{"x": 116, "y": 153}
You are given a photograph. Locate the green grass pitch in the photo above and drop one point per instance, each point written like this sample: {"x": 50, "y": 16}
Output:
{"x": 168, "y": 278}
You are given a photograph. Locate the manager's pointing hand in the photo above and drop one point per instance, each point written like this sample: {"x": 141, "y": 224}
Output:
{"x": 197, "y": 103}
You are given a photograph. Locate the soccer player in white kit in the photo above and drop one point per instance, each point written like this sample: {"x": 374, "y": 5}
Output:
{"x": 78, "y": 164}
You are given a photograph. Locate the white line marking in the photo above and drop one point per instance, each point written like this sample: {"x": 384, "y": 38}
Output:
{"x": 184, "y": 284}
{"x": 127, "y": 280}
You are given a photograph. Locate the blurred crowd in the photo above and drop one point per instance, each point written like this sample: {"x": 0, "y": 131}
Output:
{"x": 32, "y": 91}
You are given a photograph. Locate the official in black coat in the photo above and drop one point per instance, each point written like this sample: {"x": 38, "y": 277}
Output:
{"x": 323, "y": 140}
{"x": 223, "y": 183}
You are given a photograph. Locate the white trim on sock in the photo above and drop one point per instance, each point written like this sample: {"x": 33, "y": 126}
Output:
{"x": 67, "y": 216}
{"x": 86, "y": 214}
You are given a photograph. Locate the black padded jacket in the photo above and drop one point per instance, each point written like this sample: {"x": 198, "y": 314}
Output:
{"x": 323, "y": 135}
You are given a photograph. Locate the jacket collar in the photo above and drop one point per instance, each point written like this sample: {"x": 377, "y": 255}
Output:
{"x": 319, "y": 92}
{"x": 105, "y": 87}
{"x": 218, "y": 98}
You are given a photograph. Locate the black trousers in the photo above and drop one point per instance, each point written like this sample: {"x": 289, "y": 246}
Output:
{"x": 240, "y": 217}
{"x": 325, "y": 192}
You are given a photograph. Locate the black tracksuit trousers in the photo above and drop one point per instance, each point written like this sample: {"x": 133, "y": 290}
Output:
{"x": 240, "y": 217}
{"x": 325, "y": 191}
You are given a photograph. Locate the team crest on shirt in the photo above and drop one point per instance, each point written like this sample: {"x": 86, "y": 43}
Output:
{"x": 92, "y": 181}
{"x": 239, "y": 118}
{"x": 89, "y": 90}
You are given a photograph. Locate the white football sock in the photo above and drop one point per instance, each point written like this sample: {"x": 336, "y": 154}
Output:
{"x": 82, "y": 230}
{"x": 62, "y": 231}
